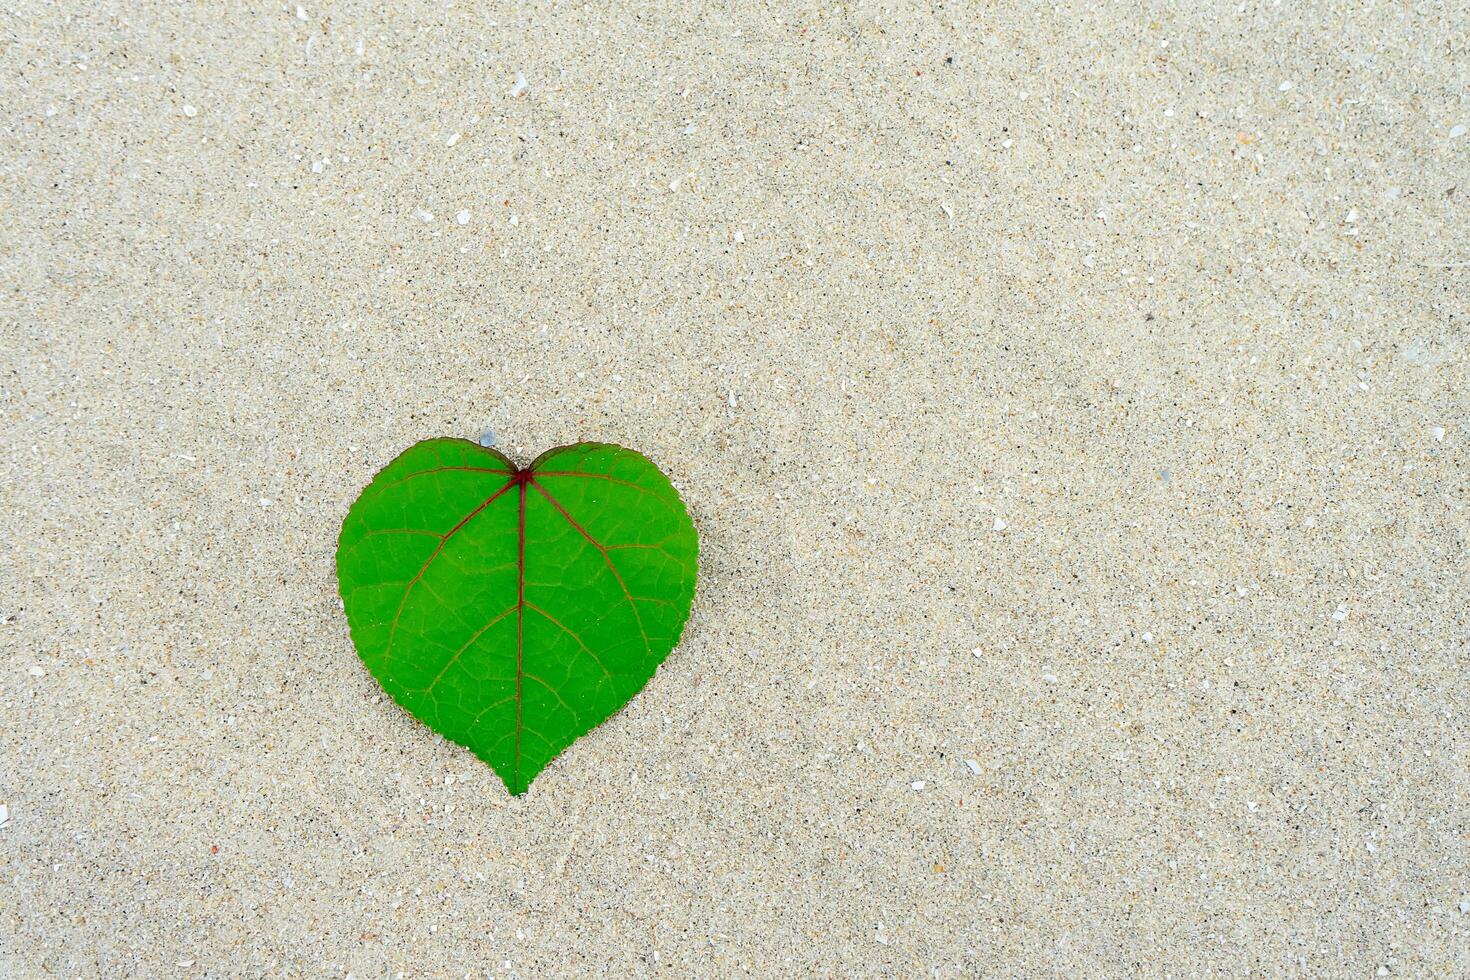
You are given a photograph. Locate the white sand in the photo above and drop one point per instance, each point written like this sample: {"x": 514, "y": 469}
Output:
{"x": 1127, "y": 348}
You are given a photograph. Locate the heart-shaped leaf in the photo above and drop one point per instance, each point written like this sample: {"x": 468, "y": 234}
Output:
{"x": 514, "y": 610}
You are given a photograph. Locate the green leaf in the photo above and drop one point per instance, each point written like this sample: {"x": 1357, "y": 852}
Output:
{"x": 512, "y": 610}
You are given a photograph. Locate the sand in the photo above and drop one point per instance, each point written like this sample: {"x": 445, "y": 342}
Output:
{"x": 1072, "y": 402}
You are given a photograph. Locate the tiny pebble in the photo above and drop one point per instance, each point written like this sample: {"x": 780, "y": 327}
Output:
{"x": 5, "y": 819}
{"x": 918, "y": 784}
{"x": 266, "y": 501}
{"x": 999, "y": 525}
{"x": 976, "y": 652}
{"x": 463, "y": 217}
{"x": 521, "y": 86}
{"x": 974, "y": 766}
{"x": 1438, "y": 433}
{"x": 190, "y": 110}
{"x": 1340, "y": 614}
{"x": 487, "y": 437}
{"x": 452, "y": 140}
{"x": 1458, "y": 130}
{"x": 1352, "y": 215}
{"x": 1464, "y": 904}
{"x": 1049, "y": 678}
{"x": 300, "y": 12}
{"x": 37, "y": 672}
{"x": 1284, "y": 87}
{"x": 1148, "y": 637}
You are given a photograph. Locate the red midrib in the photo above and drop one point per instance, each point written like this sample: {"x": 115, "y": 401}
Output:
{"x": 520, "y": 611}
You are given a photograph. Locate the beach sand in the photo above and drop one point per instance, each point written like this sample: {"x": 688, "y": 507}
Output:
{"x": 1072, "y": 402}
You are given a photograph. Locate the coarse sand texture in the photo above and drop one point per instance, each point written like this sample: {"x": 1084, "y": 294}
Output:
{"x": 1070, "y": 400}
